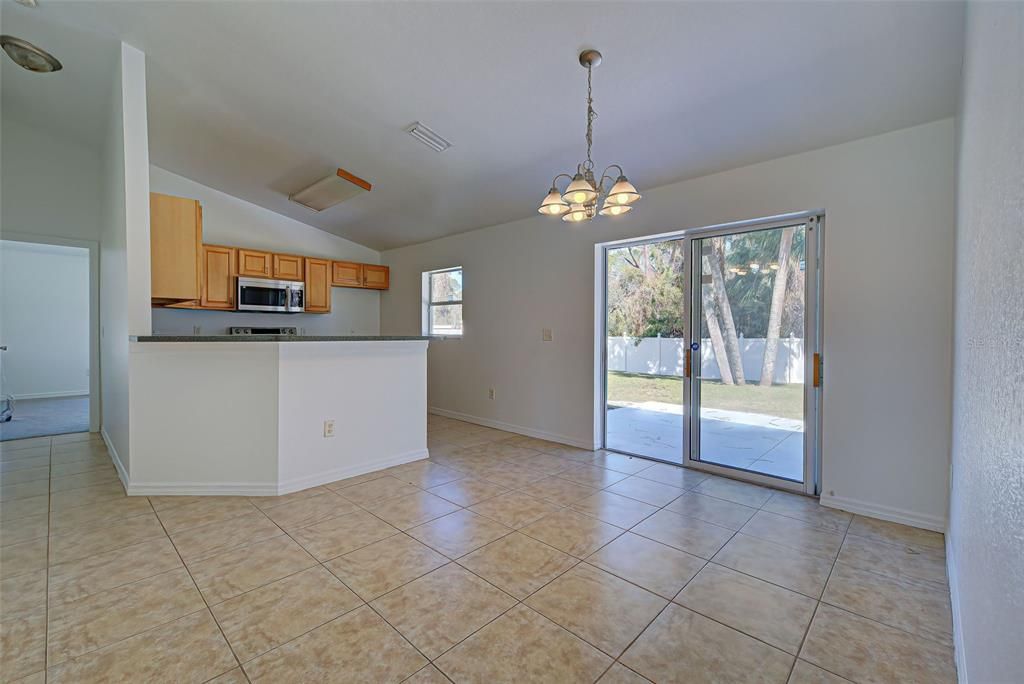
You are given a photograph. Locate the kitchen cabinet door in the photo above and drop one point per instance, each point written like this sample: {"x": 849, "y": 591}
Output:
{"x": 318, "y": 285}
{"x": 376, "y": 277}
{"x": 176, "y": 244}
{"x": 347, "y": 274}
{"x": 288, "y": 267}
{"x": 218, "y": 277}
{"x": 255, "y": 264}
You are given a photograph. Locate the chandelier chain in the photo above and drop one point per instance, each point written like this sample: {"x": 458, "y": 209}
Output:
{"x": 591, "y": 115}
{"x": 585, "y": 195}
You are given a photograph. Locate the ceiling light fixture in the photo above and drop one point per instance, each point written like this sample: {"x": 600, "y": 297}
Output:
{"x": 29, "y": 56}
{"x": 578, "y": 202}
{"x": 330, "y": 190}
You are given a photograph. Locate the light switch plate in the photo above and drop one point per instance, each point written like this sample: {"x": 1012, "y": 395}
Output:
{"x": 546, "y": 334}
{"x": 328, "y": 428}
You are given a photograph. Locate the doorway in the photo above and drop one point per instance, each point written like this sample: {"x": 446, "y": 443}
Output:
{"x": 47, "y": 383}
{"x": 711, "y": 349}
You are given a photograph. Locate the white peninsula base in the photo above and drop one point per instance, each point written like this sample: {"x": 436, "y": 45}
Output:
{"x": 248, "y": 418}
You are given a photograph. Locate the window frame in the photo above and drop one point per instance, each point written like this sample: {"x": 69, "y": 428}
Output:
{"x": 430, "y": 303}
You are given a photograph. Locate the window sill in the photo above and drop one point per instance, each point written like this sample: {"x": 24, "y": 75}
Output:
{"x": 445, "y": 337}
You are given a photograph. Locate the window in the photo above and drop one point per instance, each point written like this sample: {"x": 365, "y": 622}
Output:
{"x": 443, "y": 310}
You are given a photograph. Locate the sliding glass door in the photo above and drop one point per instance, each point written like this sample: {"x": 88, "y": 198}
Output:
{"x": 645, "y": 322}
{"x": 712, "y": 342}
{"x": 748, "y": 396}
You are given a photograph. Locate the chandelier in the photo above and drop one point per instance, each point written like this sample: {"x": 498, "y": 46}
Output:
{"x": 579, "y": 201}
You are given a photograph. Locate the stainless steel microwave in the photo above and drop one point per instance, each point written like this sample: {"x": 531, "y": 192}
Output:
{"x": 283, "y": 296}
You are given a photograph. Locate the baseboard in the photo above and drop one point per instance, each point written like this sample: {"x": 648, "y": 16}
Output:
{"x": 50, "y": 395}
{"x": 298, "y": 484}
{"x": 122, "y": 473}
{"x": 266, "y": 488}
{"x": 201, "y": 489}
{"x": 518, "y": 429}
{"x": 896, "y": 515}
{"x": 959, "y": 655}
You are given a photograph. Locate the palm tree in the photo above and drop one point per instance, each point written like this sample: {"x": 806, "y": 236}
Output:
{"x": 771, "y": 342}
{"x": 731, "y": 340}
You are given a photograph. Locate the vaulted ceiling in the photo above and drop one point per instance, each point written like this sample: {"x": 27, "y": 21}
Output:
{"x": 260, "y": 99}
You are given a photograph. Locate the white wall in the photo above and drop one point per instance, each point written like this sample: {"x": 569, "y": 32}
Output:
{"x": 136, "y": 188}
{"x": 114, "y": 283}
{"x": 51, "y": 184}
{"x": 44, "y": 319}
{"x": 888, "y": 253}
{"x": 985, "y": 543}
{"x": 230, "y": 221}
{"x": 124, "y": 246}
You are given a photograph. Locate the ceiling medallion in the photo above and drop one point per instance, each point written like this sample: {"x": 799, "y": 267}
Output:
{"x": 579, "y": 201}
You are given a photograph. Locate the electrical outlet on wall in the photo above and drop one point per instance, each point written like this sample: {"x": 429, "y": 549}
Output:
{"x": 545, "y": 335}
{"x": 490, "y": 393}
{"x": 329, "y": 428}
{"x": 196, "y": 329}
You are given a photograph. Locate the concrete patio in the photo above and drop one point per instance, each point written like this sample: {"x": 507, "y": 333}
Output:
{"x": 752, "y": 441}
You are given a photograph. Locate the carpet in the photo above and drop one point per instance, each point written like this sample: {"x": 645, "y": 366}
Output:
{"x": 54, "y": 416}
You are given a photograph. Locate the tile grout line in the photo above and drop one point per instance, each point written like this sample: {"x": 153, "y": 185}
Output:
{"x": 561, "y": 507}
{"x": 46, "y": 609}
{"x": 817, "y": 604}
{"x": 200, "y": 591}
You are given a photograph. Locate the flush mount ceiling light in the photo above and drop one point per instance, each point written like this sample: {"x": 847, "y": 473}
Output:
{"x": 29, "y": 56}
{"x": 330, "y": 190}
{"x": 578, "y": 202}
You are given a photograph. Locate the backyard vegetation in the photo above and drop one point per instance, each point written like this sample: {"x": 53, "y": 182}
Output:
{"x": 784, "y": 401}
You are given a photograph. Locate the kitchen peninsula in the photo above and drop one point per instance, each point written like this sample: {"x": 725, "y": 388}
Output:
{"x": 271, "y": 414}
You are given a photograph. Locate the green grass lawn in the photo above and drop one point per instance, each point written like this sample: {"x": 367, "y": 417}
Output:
{"x": 785, "y": 401}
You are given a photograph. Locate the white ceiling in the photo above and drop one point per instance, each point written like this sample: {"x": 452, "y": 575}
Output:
{"x": 260, "y": 99}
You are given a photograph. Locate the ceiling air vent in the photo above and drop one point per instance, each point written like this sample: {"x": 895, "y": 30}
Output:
{"x": 331, "y": 190}
{"x": 428, "y": 137}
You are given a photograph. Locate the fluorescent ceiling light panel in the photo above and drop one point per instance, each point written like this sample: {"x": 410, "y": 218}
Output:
{"x": 428, "y": 137}
{"x": 331, "y": 190}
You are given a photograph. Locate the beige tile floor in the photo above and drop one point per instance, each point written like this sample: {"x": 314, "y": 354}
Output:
{"x": 501, "y": 559}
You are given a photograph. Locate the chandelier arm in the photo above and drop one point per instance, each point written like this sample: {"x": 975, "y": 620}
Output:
{"x": 561, "y": 175}
{"x": 613, "y": 166}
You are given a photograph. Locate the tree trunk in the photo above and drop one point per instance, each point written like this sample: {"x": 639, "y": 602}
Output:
{"x": 771, "y": 342}
{"x": 732, "y": 343}
{"x": 715, "y": 333}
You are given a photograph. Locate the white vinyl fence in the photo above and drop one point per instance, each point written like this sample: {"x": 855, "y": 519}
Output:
{"x": 664, "y": 356}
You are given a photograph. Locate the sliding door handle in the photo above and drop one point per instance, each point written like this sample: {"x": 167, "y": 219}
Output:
{"x": 817, "y": 370}
{"x": 689, "y": 356}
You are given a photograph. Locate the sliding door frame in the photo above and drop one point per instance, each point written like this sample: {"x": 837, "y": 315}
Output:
{"x": 813, "y": 342}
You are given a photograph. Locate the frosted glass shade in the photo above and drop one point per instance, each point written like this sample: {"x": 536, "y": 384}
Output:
{"x": 577, "y": 214}
{"x": 580, "y": 191}
{"x": 553, "y": 204}
{"x": 622, "y": 192}
{"x": 615, "y": 209}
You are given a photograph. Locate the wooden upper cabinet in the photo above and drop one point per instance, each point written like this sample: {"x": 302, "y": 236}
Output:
{"x": 318, "y": 285}
{"x": 255, "y": 264}
{"x": 176, "y": 245}
{"x": 346, "y": 274}
{"x": 219, "y": 271}
{"x": 376, "y": 277}
{"x": 288, "y": 267}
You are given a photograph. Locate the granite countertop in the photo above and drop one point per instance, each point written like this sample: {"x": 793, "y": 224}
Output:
{"x": 277, "y": 338}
